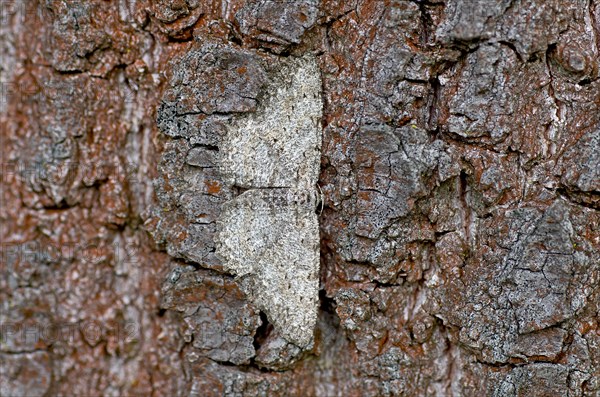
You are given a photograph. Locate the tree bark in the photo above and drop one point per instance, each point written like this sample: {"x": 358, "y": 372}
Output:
{"x": 162, "y": 232}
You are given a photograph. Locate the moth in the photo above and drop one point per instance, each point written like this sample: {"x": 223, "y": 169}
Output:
{"x": 269, "y": 234}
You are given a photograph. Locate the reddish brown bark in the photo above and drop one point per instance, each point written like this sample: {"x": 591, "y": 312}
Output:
{"x": 460, "y": 235}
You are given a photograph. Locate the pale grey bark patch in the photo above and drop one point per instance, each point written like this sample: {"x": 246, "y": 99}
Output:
{"x": 269, "y": 235}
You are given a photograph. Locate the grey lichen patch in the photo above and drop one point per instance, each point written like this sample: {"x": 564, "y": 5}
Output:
{"x": 269, "y": 235}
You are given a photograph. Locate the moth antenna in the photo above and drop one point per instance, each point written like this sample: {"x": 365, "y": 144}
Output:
{"x": 321, "y": 199}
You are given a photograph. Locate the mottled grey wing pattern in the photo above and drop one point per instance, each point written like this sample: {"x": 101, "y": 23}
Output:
{"x": 269, "y": 235}
{"x": 272, "y": 245}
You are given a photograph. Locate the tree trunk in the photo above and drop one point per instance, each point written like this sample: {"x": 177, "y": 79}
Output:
{"x": 300, "y": 198}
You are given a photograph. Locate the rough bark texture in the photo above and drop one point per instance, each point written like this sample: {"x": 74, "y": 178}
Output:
{"x": 460, "y": 221}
